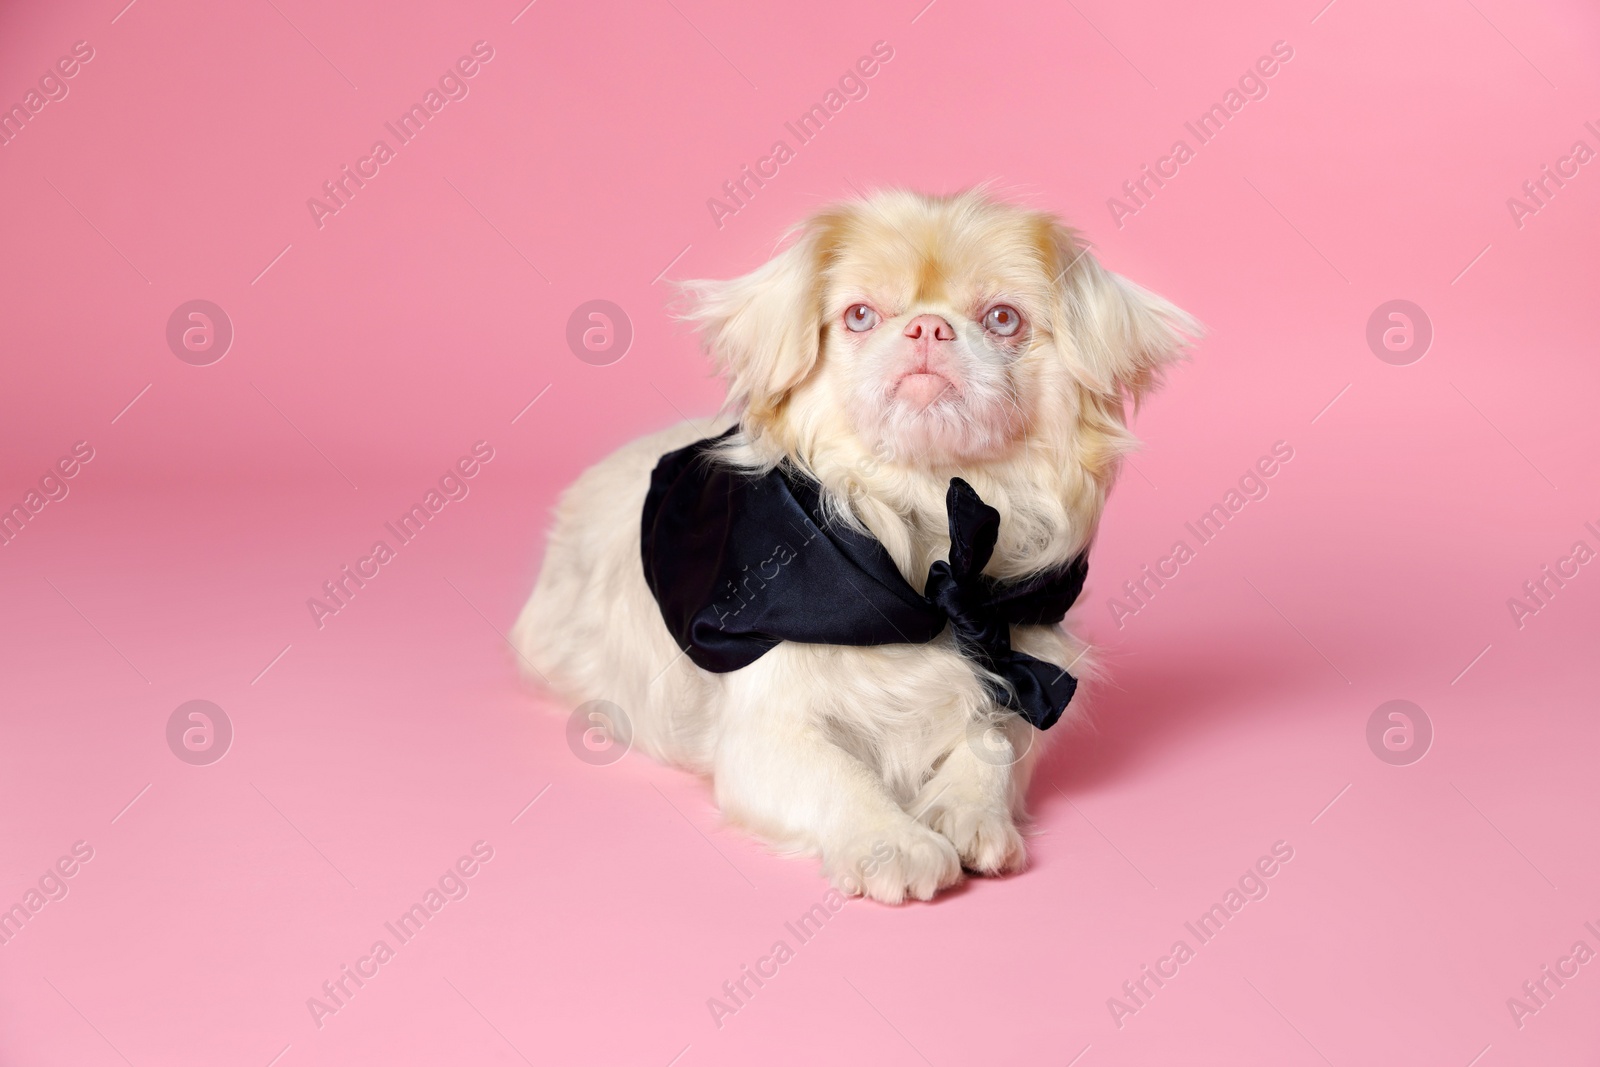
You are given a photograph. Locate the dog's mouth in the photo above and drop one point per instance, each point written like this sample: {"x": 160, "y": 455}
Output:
{"x": 922, "y": 389}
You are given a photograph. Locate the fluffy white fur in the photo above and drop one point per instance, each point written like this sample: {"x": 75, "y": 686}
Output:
{"x": 891, "y": 763}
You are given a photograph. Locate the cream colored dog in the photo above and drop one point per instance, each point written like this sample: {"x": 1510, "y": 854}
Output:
{"x": 898, "y": 341}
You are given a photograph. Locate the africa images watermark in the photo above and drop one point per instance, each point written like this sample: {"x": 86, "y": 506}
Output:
{"x": 852, "y": 85}
{"x": 52, "y": 89}
{"x": 1537, "y": 992}
{"x": 52, "y": 488}
{"x": 1537, "y": 192}
{"x": 741, "y": 592}
{"x": 51, "y": 885}
{"x": 453, "y": 486}
{"x": 1252, "y": 85}
{"x": 453, "y": 84}
{"x": 452, "y": 885}
{"x": 738, "y": 991}
{"x": 1251, "y": 886}
{"x": 1537, "y": 592}
{"x": 1252, "y": 486}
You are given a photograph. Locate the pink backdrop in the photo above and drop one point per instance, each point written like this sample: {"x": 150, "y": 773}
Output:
{"x": 374, "y": 345}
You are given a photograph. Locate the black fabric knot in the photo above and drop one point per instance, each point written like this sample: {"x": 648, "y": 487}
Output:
{"x": 976, "y": 607}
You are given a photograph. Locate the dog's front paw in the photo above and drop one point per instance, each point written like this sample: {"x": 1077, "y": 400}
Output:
{"x": 985, "y": 837}
{"x": 907, "y": 859}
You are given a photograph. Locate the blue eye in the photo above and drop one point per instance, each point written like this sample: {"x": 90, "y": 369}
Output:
{"x": 1003, "y": 320}
{"x": 858, "y": 318}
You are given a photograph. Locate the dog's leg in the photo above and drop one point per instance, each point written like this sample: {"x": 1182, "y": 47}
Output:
{"x": 778, "y": 773}
{"x": 971, "y": 797}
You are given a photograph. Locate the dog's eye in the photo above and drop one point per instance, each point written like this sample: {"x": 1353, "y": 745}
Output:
{"x": 858, "y": 318}
{"x": 1003, "y": 319}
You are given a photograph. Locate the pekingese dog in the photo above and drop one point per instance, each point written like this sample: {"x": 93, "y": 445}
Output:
{"x": 842, "y": 602}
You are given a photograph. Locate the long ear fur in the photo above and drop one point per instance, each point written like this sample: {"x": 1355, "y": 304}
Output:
{"x": 1123, "y": 337}
{"x": 764, "y": 330}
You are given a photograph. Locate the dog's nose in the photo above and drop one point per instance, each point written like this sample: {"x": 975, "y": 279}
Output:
{"x": 930, "y": 326}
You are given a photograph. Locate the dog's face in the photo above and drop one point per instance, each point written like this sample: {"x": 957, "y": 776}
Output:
{"x": 944, "y": 332}
{"x": 930, "y": 326}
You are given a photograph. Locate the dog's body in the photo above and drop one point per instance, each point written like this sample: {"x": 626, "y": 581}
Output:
{"x": 899, "y": 342}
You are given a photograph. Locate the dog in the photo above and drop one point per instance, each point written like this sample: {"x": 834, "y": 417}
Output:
{"x": 898, "y": 342}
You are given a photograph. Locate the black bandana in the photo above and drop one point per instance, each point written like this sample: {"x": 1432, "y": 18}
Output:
{"x": 738, "y": 563}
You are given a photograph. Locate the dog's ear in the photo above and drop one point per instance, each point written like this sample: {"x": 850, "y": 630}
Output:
{"x": 764, "y": 330}
{"x": 1122, "y": 338}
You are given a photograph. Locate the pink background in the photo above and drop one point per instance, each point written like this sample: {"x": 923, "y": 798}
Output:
{"x": 427, "y": 314}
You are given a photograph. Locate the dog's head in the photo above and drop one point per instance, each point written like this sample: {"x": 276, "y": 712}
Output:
{"x": 941, "y": 333}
